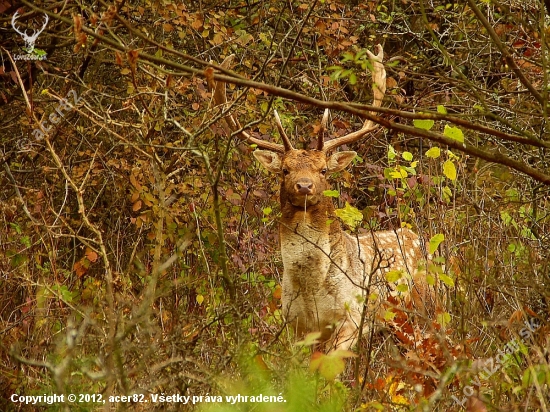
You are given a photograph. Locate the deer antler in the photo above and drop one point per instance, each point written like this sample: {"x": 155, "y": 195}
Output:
{"x": 379, "y": 88}
{"x": 321, "y": 134}
{"x": 286, "y": 140}
{"x": 29, "y": 40}
{"x": 220, "y": 99}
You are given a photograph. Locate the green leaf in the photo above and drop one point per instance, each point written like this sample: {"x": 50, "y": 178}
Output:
{"x": 352, "y": 78}
{"x": 430, "y": 280}
{"x": 267, "y": 211}
{"x": 512, "y": 194}
{"x": 425, "y": 124}
{"x": 434, "y": 152}
{"x": 350, "y": 215}
{"x": 449, "y": 170}
{"x": 310, "y": 339}
{"x": 447, "y": 280}
{"x": 331, "y": 193}
{"x": 403, "y": 288}
{"x": 388, "y": 172}
{"x": 374, "y": 404}
{"x": 394, "y": 275}
{"x": 506, "y": 218}
{"x": 407, "y": 156}
{"x": 451, "y": 155}
{"x": 389, "y": 315}
{"x": 391, "y": 152}
{"x": 454, "y": 133}
{"x": 443, "y": 319}
{"x": 525, "y": 232}
{"x": 447, "y": 194}
{"x": 433, "y": 268}
{"x": 333, "y": 364}
{"x": 441, "y": 109}
{"x": 347, "y": 56}
{"x": 435, "y": 241}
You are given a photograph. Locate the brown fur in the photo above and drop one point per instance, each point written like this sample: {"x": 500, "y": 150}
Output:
{"x": 328, "y": 273}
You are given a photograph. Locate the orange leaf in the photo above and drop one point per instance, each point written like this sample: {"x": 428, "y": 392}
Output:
{"x": 91, "y": 255}
{"x": 379, "y": 384}
{"x": 79, "y": 269}
{"x": 132, "y": 58}
{"x": 209, "y": 75}
{"x": 278, "y": 292}
{"x": 118, "y": 58}
{"x": 197, "y": 24}
{"x": 136, "y": 206}
{"x": 260, "y": 362}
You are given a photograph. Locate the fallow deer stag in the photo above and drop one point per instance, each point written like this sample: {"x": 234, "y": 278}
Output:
{"x": 329, "y": 274}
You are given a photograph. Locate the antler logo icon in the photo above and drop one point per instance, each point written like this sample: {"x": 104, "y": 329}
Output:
{"x": 29, "y": 40}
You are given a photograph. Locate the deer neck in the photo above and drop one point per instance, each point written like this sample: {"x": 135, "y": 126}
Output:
{"x": 314, "y": 216}
{"x": 308, "y": 233}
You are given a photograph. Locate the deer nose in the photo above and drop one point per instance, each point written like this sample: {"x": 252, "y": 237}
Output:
{"x": 304, "y": 186}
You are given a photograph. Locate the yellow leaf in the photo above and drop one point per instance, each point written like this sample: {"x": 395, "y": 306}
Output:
{"x": 398, "y": 173}
{"x": 350, "y": 215}
{"x": 434, "y": 152}
{"x": 395, "y": 388}
{"x": 218, "y": 39}
{"x": 449, "y": 170}
{"x": 200, "y": 299}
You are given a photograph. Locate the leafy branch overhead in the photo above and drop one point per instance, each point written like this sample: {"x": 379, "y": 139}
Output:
{"x": 450, "y": 138}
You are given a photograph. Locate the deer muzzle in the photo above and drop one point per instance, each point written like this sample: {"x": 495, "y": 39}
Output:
{"x": 304, "y": 186}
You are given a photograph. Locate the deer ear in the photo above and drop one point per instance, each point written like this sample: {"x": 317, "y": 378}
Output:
{"x": 270, "y": 160}
{"x": 338, "y": 161}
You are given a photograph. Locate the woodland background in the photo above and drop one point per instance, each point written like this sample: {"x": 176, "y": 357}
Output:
{"x": 139, "y": 243}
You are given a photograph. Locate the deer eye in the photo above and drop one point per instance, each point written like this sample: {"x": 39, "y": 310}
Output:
{"x": 324, "y": 171}
{"x": 285, "y": 171}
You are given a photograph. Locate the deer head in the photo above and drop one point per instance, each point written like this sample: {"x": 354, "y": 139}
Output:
{"x": 304, "y": 171}
{"x": 29, "y": 40}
